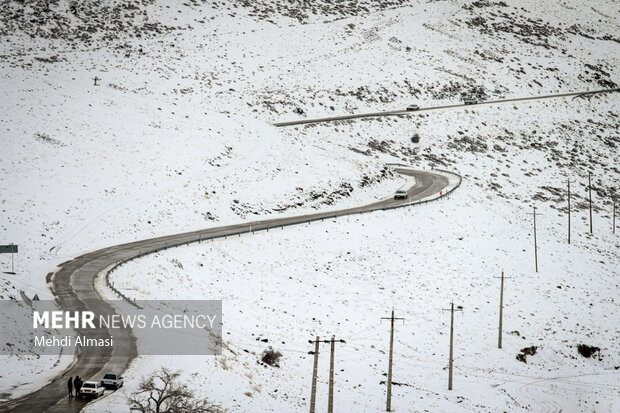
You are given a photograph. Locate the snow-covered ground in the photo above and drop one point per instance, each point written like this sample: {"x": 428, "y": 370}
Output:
{"x": 177, "y": 136}
{"x": 341, "y": 277}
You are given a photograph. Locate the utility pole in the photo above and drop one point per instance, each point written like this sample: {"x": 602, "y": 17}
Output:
{"x": 451, "y": 359}
{"x": 590, "y": 196}
{"x": 613, "y": 220}
{"x": 501, "y": 310}
{"x": 535, "y": 241}
{"x": 569, "y": 211}
{"x": 388, "y": 405}
{"x": 330, "y": 399}
{"x": 314, "y": 375}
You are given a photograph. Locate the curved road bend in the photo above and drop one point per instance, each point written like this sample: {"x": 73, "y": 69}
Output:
{"x": 460, "y": 105}
{"x": 73, "y": 286}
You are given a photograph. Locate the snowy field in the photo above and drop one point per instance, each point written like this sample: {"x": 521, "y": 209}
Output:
{"x": 287, "y": 286}
{"x": 177, "y": 135}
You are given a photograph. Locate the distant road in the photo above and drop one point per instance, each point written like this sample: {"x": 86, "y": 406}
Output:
{"x": 460, "y": 105}
{"x": 74, "y": 288}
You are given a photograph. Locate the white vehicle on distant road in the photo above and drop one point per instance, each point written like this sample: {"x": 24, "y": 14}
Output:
{"x": 92, "y": 389}
{"x": 412, "y": 108}
{"x": 111, "y": 380}
{"x": 401, "y": 194}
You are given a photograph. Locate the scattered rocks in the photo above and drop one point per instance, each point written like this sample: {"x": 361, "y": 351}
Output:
{"x": 588, "y": 351}
{"x": 526, "y": 351}
{"x": 45, "y": 138}
{"x": 303, "y": 12}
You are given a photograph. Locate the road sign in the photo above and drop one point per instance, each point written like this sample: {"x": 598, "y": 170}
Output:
{"x": 8, "y": 249}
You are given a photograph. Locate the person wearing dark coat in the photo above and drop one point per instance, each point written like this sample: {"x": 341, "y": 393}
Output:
{"x": 77, "y": 383}
{"x": 70, "y": 386}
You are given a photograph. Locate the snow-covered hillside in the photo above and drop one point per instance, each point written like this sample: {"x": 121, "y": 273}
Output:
{"x": 177, "y": 135}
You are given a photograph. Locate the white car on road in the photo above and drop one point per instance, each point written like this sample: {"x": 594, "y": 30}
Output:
{"x": 401, "y": 194}
{"x": 112, "y": 380}
{"x": 91, "y": 389}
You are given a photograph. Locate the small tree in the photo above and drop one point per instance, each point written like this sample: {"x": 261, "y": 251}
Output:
{"x": 162, "y": 393}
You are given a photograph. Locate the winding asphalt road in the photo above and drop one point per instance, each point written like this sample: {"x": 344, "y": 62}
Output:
{"x": 74, "y": 288}
{"x": 401, "y": 112}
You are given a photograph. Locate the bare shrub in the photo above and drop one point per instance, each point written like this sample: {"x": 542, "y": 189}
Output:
{"x": 162, "y": 393}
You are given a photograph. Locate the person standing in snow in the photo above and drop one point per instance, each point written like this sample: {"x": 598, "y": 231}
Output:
{"x": 70, "y": 386}
{"x": 77, "y": 383}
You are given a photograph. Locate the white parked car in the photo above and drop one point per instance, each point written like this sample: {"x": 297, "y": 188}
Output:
{"x": 91, "y": 389}
{"x": 412, "y": 108}
{"x": 401, "y": 194}
{"x": 112, "y": 380}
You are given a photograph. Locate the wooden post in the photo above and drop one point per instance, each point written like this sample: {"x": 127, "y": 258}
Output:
{"x": 535, "y": 241}
{"x": 388, "y": 405}
{"x": 451, "y": 346}
{"x": 451, "y": 358}
{"x": 613, "y": 220}
{"x": 569, "y": 211}
{"x": 314, "y": 375}
{"x": 590, "y": 196}
{"x": 501, "y": 310}
{"x": 330, "y": 401}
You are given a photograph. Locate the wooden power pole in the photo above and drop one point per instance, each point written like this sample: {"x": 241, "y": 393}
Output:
{"x": 388, "y": 405}
{"x": 613, "y": 214}
{"x": 501, "y": 310}
{"x": 314, "y": 375}
{"x": 451, "y": 359}
{"x": 330, "y": 399}
{"x": 590, "y": 196}
{"x": 535, "y": 240}
{"x": 569, "y": 211}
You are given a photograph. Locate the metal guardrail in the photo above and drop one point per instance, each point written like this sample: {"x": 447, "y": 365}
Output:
{"x": 250, "y": 228}
{"x": 426, "y": 201}
{"x": 116, "y": 290}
